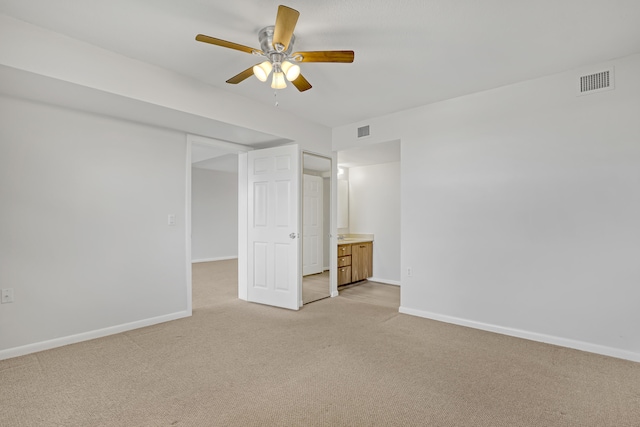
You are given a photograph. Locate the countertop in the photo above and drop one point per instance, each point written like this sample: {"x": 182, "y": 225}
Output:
{"x": 355, "y": 238}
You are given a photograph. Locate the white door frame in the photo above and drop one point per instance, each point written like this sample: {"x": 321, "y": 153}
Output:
{"x": 242, "y": 151}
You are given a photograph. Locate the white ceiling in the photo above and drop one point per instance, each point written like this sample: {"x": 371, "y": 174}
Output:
{"x": 200, "y": 152}
{"x": 408, "y": 52}
{"x": 316, "y": 163}
{"x": 213, "y": 158}
{"x": 385, "y": 152}
{"x": 224, "y": 163}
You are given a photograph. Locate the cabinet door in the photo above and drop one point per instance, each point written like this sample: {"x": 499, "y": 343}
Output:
{"x": 361, "y": 261}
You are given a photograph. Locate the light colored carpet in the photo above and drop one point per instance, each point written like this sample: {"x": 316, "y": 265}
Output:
{"x": 315, "y": 287}
{"x": 336, "y": 362}
{"x": 372, "y": 293}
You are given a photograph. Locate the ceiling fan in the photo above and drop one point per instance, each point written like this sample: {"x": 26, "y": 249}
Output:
{"x": 276, "y": 43}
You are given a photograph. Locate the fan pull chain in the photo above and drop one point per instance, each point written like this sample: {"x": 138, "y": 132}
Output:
{"x": 275, "y": 96}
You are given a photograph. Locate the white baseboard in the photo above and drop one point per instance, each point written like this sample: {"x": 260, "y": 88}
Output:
{"x": 224, "y": 258}
{"x": 334, "y": 294}
{"x": 85, "y": 336}
{"x": 385, "y": 281}
{"x": 533, "y": 336}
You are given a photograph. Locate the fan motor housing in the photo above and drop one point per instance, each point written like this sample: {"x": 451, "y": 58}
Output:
{"x": 266, "y": 43}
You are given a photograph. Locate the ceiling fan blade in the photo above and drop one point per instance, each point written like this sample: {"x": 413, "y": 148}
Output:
{"x": 326, "y": 56}
{"x": 224, "y": 43}
{"x": 301, "y": 83}
{"x": 241, "y": 76}
{"x": 285, "y": 23}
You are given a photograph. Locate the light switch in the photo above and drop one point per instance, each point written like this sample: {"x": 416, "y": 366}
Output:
{"x": 172, "y": 219}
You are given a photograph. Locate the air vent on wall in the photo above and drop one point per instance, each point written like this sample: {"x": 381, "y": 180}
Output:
{"x": 363, "y": 131}
{"x": 596, "y": 82}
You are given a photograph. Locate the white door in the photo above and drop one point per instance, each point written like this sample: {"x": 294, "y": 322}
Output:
{"x": 273, "y": 216}
{"x": 312, "y": 237}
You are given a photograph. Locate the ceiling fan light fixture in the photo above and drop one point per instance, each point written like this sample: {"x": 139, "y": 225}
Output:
{"x": 261, "y": 71}
{"x": 291, "y": 71}
{"x": 276, "y": 46}
{"x": 278, "y": 81}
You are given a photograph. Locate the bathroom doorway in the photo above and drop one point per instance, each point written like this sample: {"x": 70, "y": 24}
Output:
{"x": 370, "y": 205}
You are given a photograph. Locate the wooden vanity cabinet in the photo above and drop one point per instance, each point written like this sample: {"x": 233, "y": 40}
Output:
{"x": 355, "y": 262}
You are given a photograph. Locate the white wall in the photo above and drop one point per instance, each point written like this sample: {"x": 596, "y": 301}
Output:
{"x": 342, "y": 203}
{"x": 84, "y": 240}
{"x": 374, "y": 208}
{"x": 326, "y": 224}
{"x": 214, "y": 215}
{"x": 521, "y": 210}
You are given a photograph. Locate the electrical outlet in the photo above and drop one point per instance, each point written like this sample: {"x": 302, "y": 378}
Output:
{"x": 7, "y": 295}
{"x": 409, "y": 271}
{"x": 171, "y": 219}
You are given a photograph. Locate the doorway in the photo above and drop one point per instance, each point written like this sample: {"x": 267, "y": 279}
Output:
{"x": 316, "y": 226}
{"x": 212, "y": 209}
{"x": 371, "y": 206}
{"x": 270, "y": 241}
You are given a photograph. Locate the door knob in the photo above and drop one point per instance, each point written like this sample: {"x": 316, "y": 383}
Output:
{"x": 292, "y": 235}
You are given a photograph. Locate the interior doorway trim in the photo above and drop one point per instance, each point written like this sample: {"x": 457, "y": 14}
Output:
{"x": 217, "y": 143}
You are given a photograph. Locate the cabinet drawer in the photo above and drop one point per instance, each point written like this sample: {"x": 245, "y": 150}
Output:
{"x": 343, "y": 261}
{"x": 344, "y": 275}
{"x": 344, "y": 250}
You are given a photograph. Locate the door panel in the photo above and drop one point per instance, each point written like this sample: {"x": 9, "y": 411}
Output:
{"x": 273, "y": 200}
{"x": 260, "y": 263}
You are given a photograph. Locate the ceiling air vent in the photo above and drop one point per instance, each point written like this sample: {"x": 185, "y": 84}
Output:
{"x": 597, "y": 82}
{"x": 363, "y": 131}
